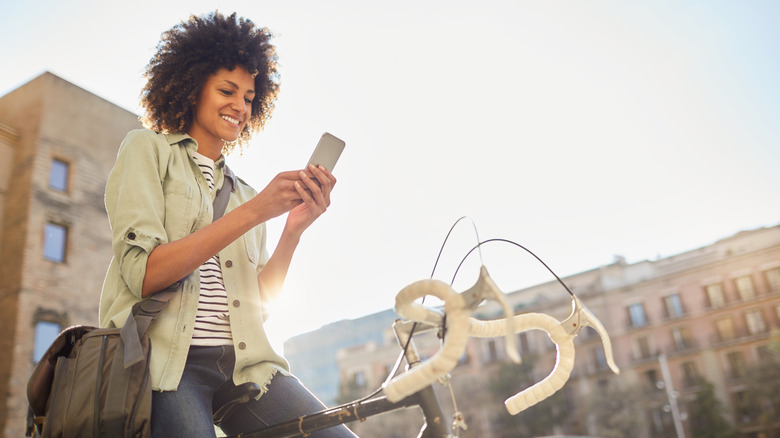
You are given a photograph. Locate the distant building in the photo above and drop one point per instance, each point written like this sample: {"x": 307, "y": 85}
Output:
{"x": 710, "y": 312}
{"x": 58, "y": 143}
{"x": 312, "y": 355}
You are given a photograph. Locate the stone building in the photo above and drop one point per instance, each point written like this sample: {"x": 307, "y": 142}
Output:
{"x": 58, "y": 142}
{"x": 709, "y": 313}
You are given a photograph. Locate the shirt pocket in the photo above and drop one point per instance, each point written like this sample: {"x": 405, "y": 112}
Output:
{"x": 178, "y": 209}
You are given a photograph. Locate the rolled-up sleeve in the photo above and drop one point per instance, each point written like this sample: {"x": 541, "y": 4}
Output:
{"x": 135, "y": 203}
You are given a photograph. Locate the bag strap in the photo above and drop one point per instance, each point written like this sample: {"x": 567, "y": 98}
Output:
{"x": 146, "y": 310}
{"x": 223, "y": 196}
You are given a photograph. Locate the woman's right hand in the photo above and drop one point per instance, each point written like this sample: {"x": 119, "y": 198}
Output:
{"x": 278, "y": 197}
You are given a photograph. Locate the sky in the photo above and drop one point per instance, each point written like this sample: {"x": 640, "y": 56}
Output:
{"x": 581, "y": 130}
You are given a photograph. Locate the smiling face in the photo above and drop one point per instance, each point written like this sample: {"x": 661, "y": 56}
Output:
{"x": 222, "y": 110}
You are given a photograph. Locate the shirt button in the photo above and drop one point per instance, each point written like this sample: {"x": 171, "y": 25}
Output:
{"x": 241, "y": 345}
{"x": 229, "y": 263}
{"x": 236, "y": 303}
{"x": 131, "y": 236}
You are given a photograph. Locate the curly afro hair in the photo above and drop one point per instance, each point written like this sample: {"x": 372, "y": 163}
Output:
{"x": 195, "y": 49}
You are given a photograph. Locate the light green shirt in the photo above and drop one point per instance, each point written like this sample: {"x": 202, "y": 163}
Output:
{"x": 157, "y": 194}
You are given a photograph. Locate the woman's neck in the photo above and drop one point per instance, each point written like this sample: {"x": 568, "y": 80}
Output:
{"x": 211, "y": 149}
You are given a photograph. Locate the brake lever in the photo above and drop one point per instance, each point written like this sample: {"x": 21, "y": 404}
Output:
{"x": 582, "y": 317}
{"x": 486, "y": 289}
{"x": 561, "y": 334}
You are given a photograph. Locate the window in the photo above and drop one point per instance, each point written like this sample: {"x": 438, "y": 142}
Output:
{"x": 652, "y": 379}
{"x": 755, "y": 322}
{"x": 492, "y": 351}
{"x": 725, "y": 328}
{"x": 744, "y": 410}
{"x": 715, "y": 295}
{"x": 359, "y": 378}
{"x": 773, "y": 279}
{"x": 598, "y": 357}
{"x": 643, "y": 347}
{"x": 736, "y": 364}
{"x": 637, "y": 314}
{"x": 58, "y": 175}
{"x": 674, "y": 307}
{"x": 690, "y": 374}
{"x": 522, "y": 343}
{"x": 54, "y": 239}
{"x": 745, "y": 287}
{"x": 45, "y": 332}
{"x": 682, "y": 338}
{"x": 662, "y": 422}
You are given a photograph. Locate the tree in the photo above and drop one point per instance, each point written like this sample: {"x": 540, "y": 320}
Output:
{"x": 762, "y": 395}
{"x": 617, "y": 412}
{"x": 540, "y": 419}
{"x": 707, "y": 414}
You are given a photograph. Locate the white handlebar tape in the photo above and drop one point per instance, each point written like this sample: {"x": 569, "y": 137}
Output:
{"x": 456, "y": 335}
{"x": 564, "y": 363}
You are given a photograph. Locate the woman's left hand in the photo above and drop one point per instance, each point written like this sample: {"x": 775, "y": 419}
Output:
{"x": 315, "y": 193}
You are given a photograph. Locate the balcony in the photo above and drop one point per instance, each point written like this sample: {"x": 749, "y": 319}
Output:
{"x": 644, "y": 357}
{"x": 636, "y": 325}
{"x": 739, "y": 335}
{"x": 682, "y": 347}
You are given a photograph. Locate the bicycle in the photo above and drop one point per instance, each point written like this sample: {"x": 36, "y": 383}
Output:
{"x": 453, "y": 324}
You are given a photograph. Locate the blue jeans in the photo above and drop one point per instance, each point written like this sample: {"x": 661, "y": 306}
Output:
{"x": 187, "y": 412}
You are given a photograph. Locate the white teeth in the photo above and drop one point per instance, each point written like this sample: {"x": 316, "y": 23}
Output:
{"x": 231, "y": 120}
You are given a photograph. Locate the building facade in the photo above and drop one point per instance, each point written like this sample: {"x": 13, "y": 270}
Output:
{"x": 59, "y": 143}
{"x": 312, "y": 355}
{"x": 676, "y": 323}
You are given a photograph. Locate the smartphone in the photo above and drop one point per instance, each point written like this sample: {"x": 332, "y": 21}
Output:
{"x": 327, "y": 152}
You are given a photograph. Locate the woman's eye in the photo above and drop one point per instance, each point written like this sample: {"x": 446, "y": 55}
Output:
{"x": 248, "y": 101}
{"x": 226, "y": 92}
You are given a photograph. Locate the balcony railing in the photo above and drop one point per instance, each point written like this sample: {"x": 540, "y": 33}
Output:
{"x": 740, "y": 334}
{"x": 686, "y": 345}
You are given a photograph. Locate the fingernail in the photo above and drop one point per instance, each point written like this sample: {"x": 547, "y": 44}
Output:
{"x": 303, "y": 174}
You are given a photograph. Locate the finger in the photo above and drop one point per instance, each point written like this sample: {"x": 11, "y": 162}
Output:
{"x": 316, "y": 195}
{"x": 304, "y": 193}
{"x": 326, "y": 179}
{"x": 314, "y": 203}
{"x": 322, "y": 174}
{"x": 310, "y": 183}
{"x": 288, "y": 175}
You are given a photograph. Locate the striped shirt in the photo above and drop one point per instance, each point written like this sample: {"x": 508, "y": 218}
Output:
{"x": 212, "y": 322}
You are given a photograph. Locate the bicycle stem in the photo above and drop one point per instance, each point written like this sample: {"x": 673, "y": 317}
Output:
{"x": 427, "y": 399}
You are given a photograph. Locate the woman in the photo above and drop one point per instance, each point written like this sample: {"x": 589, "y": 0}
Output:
{"x": 211, "y": 84}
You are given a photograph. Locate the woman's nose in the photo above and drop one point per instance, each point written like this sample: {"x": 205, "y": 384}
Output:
{"x": 240, "y": 104}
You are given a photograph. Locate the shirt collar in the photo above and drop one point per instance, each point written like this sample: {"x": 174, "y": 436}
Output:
{"x": 178, "y": 137}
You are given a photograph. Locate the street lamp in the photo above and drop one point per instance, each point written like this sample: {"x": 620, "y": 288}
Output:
{"x": 671, "y": 395}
